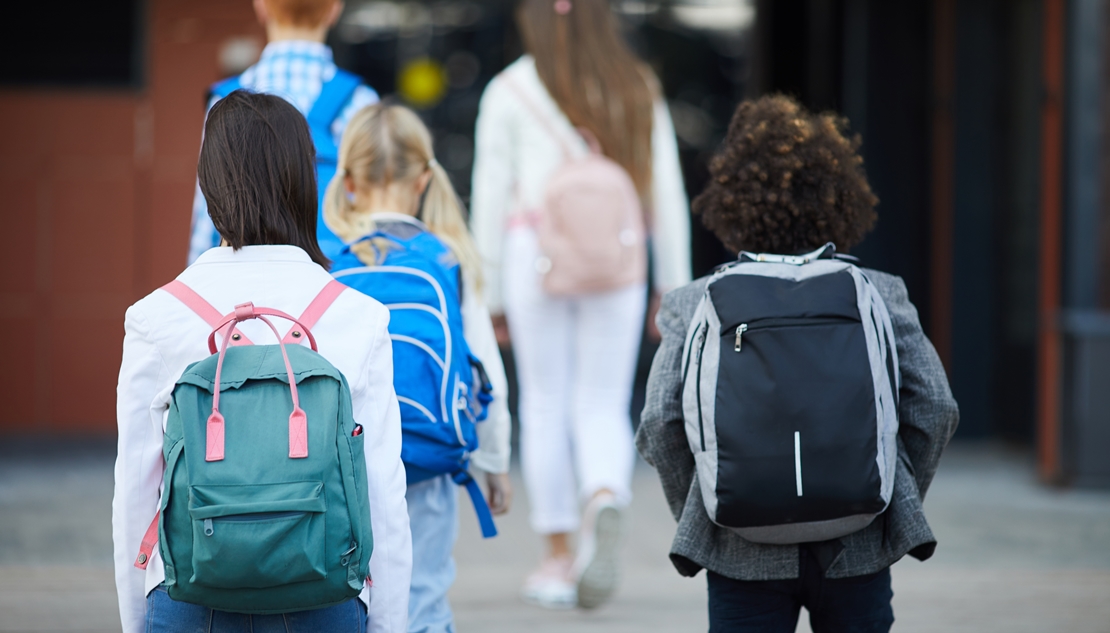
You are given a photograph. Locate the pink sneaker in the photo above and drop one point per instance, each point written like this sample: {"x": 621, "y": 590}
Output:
{"x": 552, "y": 585}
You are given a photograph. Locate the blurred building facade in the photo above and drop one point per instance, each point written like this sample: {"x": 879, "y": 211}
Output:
{"x": 983, "y": 125}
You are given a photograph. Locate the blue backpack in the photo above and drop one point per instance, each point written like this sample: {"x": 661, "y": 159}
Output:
{"x": 441, "y": 386}
{"x": 335, "y": 94}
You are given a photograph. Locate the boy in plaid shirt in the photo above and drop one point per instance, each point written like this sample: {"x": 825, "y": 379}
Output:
{"x": 295, "y": 65}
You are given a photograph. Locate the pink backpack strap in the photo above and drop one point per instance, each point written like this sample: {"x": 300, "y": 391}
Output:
{"x": 150, "y": 539}
{"x": 539, "y": 115}
{"x": 203, "y": 309}
{"x": 315, "y": 310}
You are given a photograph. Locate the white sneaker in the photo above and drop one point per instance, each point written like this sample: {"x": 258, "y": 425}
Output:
{"x": 597, "y": 568}
{"x": 552, "y": 585}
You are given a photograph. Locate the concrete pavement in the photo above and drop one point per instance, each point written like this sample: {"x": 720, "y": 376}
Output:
{"x": 1013, "y": 557}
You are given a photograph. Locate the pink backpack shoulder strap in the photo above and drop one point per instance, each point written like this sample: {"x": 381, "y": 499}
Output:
{"x": 202, "y": 308}
{"x": 537, "y": 114}
{"x": 315, "y": 310}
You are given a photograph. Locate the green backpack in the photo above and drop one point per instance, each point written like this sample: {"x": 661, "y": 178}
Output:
{"x": 265, "y": 506}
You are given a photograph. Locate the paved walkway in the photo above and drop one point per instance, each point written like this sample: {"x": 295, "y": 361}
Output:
{"x": 1014, "y": 557}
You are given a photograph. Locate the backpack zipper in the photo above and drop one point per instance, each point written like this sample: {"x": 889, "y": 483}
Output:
{"x": 690, "y": 353}
{"x": 783, "y": 322}
{"x": 209, "y": 527}
{"x": 740, "y": 329}
{"x": 697, "y": 392}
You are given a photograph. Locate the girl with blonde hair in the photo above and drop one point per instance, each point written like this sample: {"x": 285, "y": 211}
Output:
{"x": 409, "y": 247}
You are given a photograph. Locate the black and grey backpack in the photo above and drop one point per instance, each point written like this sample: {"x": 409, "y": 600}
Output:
{"x": 790, "y": 397}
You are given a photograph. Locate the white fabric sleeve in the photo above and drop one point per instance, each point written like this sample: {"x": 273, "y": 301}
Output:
{"x": 494, "y": 434}
{"x": 391, "y": 562}
{"x": 492, "y": 186}
{"x": 670, "y": 207}
{"x": 139, "y": 410}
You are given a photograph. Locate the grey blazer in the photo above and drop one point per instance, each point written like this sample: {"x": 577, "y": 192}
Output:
{"x": 927, "y": 418}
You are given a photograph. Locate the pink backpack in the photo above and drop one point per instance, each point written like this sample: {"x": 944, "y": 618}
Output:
{"x": 591, "y": 226}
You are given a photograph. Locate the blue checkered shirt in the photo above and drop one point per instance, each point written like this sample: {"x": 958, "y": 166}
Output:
{"x": 295, "y": 71}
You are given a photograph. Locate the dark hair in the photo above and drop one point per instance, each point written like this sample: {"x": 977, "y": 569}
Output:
{"x": 257, "y": 170}
{"x": 787, "y": 181}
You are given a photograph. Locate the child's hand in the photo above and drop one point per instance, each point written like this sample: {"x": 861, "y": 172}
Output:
{"x": 653, "y": 334}
{"x": 501, "y": 330}
{"x": 500, "y": 495}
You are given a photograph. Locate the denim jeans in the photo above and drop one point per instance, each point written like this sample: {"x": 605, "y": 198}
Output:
{"x": 434, "y": 521}
{"x": 166, "y": 615}
{"x": 860, "y": 604}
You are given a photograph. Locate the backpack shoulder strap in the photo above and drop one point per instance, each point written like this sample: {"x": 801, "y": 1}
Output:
{"x": 334, "y": 95}
{"x": 197, "y": 304}
{"x": 316, "y": 309}
{"x": 223, "y": 88}
{"x": 537, "y": 114}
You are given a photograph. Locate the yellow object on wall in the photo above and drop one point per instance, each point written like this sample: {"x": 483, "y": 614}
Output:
{"x": 422, "y": 82}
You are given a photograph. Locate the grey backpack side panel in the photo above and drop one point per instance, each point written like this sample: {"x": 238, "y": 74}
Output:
{"x": 700, "y": 388}
{"x": 887, "y": 379}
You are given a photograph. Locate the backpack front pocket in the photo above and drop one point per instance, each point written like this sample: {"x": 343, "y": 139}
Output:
{"x": 259, "y": 535}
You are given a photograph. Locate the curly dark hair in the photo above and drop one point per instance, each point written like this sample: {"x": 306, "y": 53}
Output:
{"x": 787, "y": 180}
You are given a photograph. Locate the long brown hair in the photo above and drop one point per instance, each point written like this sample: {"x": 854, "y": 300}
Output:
{"x": 257, "y": 170}
{"x": 387, "y": 145}
{"x": 594, "y": 77}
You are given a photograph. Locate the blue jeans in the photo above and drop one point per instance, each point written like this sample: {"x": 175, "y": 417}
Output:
{"x": 434, "y": 521}
{"x": 860, "y": 604}
{"x": 166, "y": 615}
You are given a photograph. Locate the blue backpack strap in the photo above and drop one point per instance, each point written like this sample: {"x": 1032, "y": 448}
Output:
{"x": 334, "y": 95}
{"x": 223, "y": 88}
{"x": 481, "y": 508}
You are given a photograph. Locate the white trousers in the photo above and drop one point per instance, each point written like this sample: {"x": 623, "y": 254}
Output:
{"x": 576, "y": 361}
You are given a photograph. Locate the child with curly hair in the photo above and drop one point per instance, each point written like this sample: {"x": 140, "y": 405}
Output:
{"x": 788, "y": 181}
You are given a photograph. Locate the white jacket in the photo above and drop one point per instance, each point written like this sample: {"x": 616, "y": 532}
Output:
{"x": 163, "y": 336}
{"x": 514, "y": 156}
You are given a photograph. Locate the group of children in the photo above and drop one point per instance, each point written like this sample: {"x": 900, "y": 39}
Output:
{"x": 325, "y": 183}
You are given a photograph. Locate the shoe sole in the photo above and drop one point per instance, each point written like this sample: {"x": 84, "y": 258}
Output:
{"x": 555, "y": 605}
{"x": 599, "y": 578}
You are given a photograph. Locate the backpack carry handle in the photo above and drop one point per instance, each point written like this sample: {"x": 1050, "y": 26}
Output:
{"x": 298, "y": 421}
{"x": 828, "y": 251}
{"x": 247, "y": 311}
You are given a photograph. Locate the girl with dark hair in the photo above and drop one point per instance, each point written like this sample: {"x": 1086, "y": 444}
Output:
{"x": 256, "y": 171}
{"x": 579, "y": 91}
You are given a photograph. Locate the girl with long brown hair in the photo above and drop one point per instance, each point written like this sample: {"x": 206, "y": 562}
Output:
{"x": 578, "y": 88}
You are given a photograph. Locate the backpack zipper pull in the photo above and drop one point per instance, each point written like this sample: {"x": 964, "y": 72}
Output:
{"x": 208, "y": 527}
{"x": 740, "y": 329}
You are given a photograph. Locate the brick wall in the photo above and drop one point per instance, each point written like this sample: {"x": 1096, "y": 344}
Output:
{"x": 97, "y": 190}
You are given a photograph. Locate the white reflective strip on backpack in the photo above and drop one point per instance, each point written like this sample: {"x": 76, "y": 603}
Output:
{"x": 416, "y": 405}
{"x": 459, "y": 387}
{"x": 401, "y": 338}
{"x": 441, "y": 315}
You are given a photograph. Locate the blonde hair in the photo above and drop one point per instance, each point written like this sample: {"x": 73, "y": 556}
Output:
{"x": 386, "y": 145}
